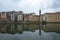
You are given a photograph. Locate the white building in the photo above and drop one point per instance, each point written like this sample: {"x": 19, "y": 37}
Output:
{"x": 20, "y": 18}
{"x": 12, "y": 17}
{"x": 17, "y": 16}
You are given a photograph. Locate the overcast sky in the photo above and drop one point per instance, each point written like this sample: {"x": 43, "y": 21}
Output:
{"x": 28, "y": 6}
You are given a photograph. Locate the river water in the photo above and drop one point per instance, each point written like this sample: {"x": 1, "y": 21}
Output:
{"x": 50, "y": 31}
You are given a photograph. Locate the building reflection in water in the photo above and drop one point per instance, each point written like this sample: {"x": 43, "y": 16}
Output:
{"x": 51, "y": 27}
{"x": 3, "y": 28}
{"x": 18, "y": 28}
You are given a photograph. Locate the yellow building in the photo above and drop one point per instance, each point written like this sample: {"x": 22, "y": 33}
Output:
{"x": 36, "y": 17}
{"x": 51, "y": 17}
{"x": 3, "y": 16}
{"x": 58, "y": 16}
{"x": 33, "y": 18}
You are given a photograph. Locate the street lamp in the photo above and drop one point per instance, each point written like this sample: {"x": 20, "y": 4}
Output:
{"x": 39, "y": 22}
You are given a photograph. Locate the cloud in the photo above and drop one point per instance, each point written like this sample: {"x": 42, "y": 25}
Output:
{"x": 55, "y": 7}
{"x": 56, "y": 4}
{"x": 7, "y": 5}
{"x": 30, "y": 5}
{"x": 35, "y": 5}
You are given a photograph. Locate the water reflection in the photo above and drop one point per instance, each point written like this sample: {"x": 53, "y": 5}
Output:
{"x": 3, "y": 28}
{"x": 50, "y": 27}
{"x": 18, "y": 28}
{"x": 15, "y": 31}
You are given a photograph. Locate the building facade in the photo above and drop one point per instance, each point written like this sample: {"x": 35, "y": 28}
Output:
{"x": 3, "y": 16}
{"x": 33, "y": 18}
{"x": 14, "y": 16}
{"x": 51, "y": 17}
{"x": 19, "y": 15}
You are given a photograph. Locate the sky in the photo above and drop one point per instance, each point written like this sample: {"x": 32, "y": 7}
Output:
{"x": 30, "y": 6}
